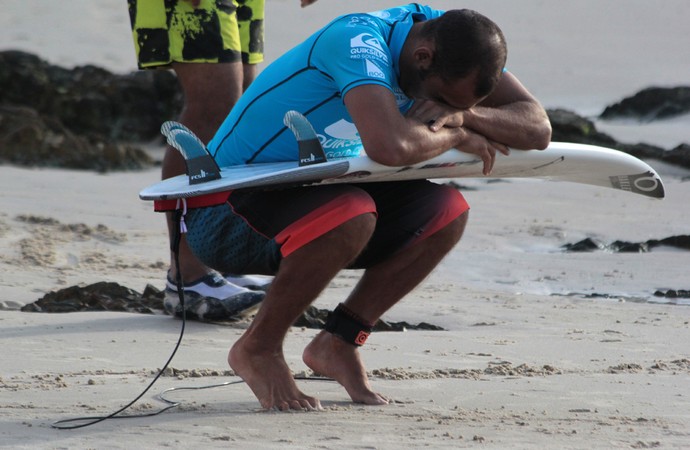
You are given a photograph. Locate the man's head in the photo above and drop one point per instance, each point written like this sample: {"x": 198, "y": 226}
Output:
{"x": 462, "y": 43}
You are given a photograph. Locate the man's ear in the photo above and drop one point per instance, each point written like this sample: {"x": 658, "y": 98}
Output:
{"x": 423, "y": 56}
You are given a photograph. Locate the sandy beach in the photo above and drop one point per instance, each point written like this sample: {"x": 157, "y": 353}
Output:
{"x": 541, "y": 348}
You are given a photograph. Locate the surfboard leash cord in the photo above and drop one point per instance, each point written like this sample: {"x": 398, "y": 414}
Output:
{"x": 81, "y": 422}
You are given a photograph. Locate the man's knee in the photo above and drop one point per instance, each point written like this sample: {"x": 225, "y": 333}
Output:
{"x": 342, "y": 244}
{"x": 356, "y": 232}
{"x": 456, "y": 228}
{"x": 327, "y": 210}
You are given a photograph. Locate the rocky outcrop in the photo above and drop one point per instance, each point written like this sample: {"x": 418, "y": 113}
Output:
{"x": 106, "y": 296}
{"x": 89, "y": 99}
{"x": 649, "y": 104}
{"x": 28, "y": 138}
{"x": 103, "y": 296}
{"x": 83, "y": 118}
{"x": 569, "y": 127}
{"x": 588, "y": 245}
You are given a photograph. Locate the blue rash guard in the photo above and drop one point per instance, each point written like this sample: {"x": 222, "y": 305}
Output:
{"x": 313, "y": 78}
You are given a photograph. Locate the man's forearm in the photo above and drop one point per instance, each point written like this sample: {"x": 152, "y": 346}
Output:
{"x": 521, "y": 125}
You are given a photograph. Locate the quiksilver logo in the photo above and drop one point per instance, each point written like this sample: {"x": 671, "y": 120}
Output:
{"x": 341, "y": 140}
{"x": 367, "y": 46}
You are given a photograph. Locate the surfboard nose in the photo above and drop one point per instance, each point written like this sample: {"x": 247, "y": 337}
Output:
{"x": 648, "y": 184}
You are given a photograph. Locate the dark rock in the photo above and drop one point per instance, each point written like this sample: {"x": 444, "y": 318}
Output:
{"x": 570, "y": 127}
{"x": 647, "y": 151}
{"x": 51, "y": 116}
{"x": 103, "y": 296}
{"x": 103, "y": 109}
{"x": 679, "y": 155}
{"x": 316, "y": 318}
{"x": 629, "y": 247}
{"x": 383, "y": 325}
{"x": 89, "y": 99}
{"x": 312, "y": 318}
{"x": 587, "y": 245}
{"x": 681, "y": 241}
{"x": 29, "y": 139}
{"x": 651, "y": 104}
{"x": 673, "y": 293}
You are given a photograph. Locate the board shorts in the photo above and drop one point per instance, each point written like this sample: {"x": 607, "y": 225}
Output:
{"x": 254, "y": 230}
{"x": 218, "y": 31}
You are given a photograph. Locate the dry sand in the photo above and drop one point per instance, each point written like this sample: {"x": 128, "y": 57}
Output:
{"x": 517, "y": 366}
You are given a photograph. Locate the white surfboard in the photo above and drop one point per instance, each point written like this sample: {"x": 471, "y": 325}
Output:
{"x": 561, "y": 161}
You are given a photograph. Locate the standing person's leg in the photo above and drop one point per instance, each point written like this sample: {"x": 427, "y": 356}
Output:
{"x": 250, "y": 23}
{"x": 210, "y": 91}
{"x": 201, "y": 42}
{"x": 249, "y": 72}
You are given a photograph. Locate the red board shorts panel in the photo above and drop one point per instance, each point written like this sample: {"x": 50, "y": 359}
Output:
{"x": 255, "y": 230}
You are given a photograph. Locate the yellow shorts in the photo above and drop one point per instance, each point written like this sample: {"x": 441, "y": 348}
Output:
{"x": 218, "y": 31}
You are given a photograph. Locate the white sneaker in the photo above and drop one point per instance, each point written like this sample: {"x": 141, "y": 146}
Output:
{"x": 211, "y": 298}
{"x": 253, "y": 282}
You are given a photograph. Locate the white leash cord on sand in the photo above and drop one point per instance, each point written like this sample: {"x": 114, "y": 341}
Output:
{"x": 80, "y": 422}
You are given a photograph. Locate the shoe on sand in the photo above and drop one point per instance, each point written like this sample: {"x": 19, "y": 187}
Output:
{"x": 211, "y": 298}
{"x": 253, "y": 282}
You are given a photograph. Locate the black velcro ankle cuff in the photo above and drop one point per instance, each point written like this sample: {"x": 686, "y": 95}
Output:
{"x": 348, "y": 326}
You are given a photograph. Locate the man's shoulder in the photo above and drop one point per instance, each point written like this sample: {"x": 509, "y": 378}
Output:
{"x": 402, "y": 13}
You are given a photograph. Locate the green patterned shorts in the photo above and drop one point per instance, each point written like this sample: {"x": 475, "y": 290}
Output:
{"x": 217, "y": 31}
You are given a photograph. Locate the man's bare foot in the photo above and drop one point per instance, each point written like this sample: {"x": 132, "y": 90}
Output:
{"x": 332, "y": 357}
{"x": 269, "y": 377}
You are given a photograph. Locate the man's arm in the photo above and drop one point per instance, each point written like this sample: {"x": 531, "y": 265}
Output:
{"x": 396, "y": 140}
{"x": 511, "y": 116}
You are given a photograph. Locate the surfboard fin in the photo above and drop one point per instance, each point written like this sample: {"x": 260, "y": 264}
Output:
{"x": 201, "y": 166}
{"x": 310, "y": 149}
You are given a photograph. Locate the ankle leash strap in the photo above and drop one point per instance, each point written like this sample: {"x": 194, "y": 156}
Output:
{"x": 348, "y": 326}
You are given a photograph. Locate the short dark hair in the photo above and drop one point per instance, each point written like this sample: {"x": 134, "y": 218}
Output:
{"x": 466, "y": 41}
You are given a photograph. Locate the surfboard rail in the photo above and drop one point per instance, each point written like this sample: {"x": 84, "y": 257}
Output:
{"x": 560, "y": 161}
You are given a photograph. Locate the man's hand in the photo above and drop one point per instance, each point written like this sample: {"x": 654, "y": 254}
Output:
{"x": 436, "y": 115}
{"x": 484, "y": 148}
{"x": 394, "y": 140}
